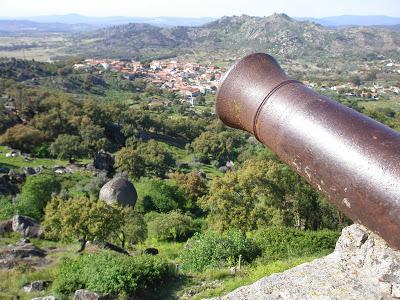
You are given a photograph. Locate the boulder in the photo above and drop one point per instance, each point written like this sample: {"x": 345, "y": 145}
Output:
{"x": 362, "y": 266}
{"x": 29, "y": 171}
{"x": 104, "y": 161}
{"x": 119, "y": 190}
{"x": 15, "y": 177}
{"x": 36, "y": 286}
{"x": 26, "y": 226}
{"x": 7, "y": 186}
{"x": 151, "y": 251}
{"x": 5, "y": 227}
{"x": 45, "y": 298}
{"x": 89, "y": 295}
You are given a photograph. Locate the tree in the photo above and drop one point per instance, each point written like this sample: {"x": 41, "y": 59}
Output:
{"x": 93, "y": 138}
{"x": 22, "y": 137}
{"x": 221, "y": 146}
{"x": 134, "y": 227}
{"x": 263, "y": 192}
{"x": 81, "y": 219}
{"x": 193, "y": 186}
{"x": 35, "y": 194}
{"x": 128, "y": 159}
{"x": 149, "y": 158}
{"x": 66, "y": 146}
{"x": 172, "y": 226}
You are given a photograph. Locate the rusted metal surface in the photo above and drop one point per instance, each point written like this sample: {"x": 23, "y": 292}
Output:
{"x": 352, "y": 159}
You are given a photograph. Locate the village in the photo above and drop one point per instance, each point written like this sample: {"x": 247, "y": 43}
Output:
{"x": 190, "y": 80}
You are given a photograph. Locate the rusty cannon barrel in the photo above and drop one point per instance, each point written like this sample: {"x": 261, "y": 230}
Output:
{"x": 352, "y": 159}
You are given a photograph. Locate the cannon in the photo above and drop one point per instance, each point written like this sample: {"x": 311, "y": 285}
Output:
{"x": 350, "y": 158}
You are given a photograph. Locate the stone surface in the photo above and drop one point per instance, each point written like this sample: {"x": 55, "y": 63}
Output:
{"x": 104, "y": 161}
{"x": 5, "y": 227}
{"x": 45, "y": 298}
{"x": 26, "y": 226}
{"x": 36, "y": 286}
{"x": 22, "y": 252}
{"x": 362, "y": 266}
{"x": 88, "y": 295}
{"x": 119, "y": 191}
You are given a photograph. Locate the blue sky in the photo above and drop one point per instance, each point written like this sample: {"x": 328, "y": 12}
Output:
{"x": 199, "y": 8}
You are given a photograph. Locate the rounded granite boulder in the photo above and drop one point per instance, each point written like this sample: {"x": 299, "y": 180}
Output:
{"x": 119, "y": 190}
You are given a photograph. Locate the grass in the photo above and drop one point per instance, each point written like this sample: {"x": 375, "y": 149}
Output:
{"x": 19, "y": 162}
{"x": 12, "y": 281}
{"x": 393, "y": 104}
{"x": 248, "y": 275}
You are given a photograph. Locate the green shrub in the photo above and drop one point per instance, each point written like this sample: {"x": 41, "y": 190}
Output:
{"x": 7, "y": 208}
{"x": 158, "y": 195}
{"x": 281, "y": 242}
{"x": 35, "y": 194}
{"x": 172, "y": 226}
{"x": 212, "y": 249}
{"x": 108, "y": 272}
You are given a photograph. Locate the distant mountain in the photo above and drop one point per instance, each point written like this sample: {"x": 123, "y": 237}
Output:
{"x": 30, "y": 27}
{"x": 277, "y": 34}
{"x": 117, "y": 20}
{"x": 351, "y": 20}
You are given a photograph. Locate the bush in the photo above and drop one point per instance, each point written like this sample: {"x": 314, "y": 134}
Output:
{"x": 35, "y": 194}
{"x": 172, "y": 226}
{"x": 281, "y": 242}
{"x": 7, "y": 208}
{"x": 158, "y": 195}
{"x": 134, "y": 227}
{"x": 212, "y": 249}
{"x": 22, "y": 137}
{"x": 108, "y": 272}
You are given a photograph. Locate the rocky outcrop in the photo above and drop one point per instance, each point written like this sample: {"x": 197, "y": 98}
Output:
{"x": 26, "y": 226}
{"x": 36, "y": 286}
{"x": 88, "y": 295}
{"x": 22, "y": 252}
{"x": 119, "y": 191}
{"x": 5, "y": 227}
{"x": 104, "y": 161}
{"x": 362, "y": 266}
{"x": 45, "y": 298}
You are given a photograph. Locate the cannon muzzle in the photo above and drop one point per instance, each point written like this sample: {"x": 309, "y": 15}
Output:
{"x": 350, "y": 158}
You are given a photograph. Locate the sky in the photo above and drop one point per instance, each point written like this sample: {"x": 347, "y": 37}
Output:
{"x": 199, "y": 8}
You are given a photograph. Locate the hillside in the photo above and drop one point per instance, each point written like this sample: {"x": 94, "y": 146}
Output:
{"x": 277, "y": 34}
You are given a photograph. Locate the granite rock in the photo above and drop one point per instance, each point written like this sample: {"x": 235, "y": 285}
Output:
{"x": 362, "y": 266}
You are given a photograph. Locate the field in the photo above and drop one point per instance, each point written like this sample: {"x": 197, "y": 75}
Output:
{"x": 20, "y": 162}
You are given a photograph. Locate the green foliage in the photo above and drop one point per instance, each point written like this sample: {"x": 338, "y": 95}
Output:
{"x": 172, "y": 226}
{"x": 82, "y": 219}
{"x": 211, "y": 249}
{"x": 193, "y": 186}
{"x": 147, "y": 159}
{"x": 35, "y": 194}
{"x": 159, "y": 195}
{"x": 219, "y": 146}
{"x": 22, "y": 137}
{"x": 281, "y": 242}
{"x": 263, "y": 192}
{"x": 110, "y": 273}
{"x": 134, "y": 227}
{"x": 7, "y": 208}
{"x": 66, "y": 146}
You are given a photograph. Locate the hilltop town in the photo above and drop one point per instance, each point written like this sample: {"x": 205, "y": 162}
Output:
{"x": 190, "y": 80}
